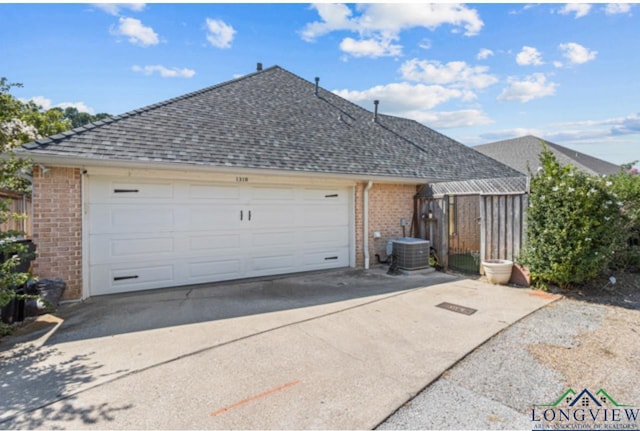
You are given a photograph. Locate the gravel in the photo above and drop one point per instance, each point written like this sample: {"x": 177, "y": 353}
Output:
{"x": 529, "y": 363}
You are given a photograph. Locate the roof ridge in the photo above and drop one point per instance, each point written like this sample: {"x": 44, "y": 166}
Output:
{"x": 114, "y": 118}
{"x": 568, "y": 152}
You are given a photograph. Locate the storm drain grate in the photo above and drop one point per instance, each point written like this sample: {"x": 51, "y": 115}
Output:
{"x": 457, "y": 308}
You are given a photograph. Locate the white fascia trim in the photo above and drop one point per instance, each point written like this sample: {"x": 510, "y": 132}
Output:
{"x": 74, "y": 162}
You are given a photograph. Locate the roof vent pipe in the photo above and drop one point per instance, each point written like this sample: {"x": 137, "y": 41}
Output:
{"x": 375, "y": 110}
{"x": 259, "y": 67}
{"x": 316, "y": 90}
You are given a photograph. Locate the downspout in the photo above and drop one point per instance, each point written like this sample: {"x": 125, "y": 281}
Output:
{"x": 365, "y": 224}
{"x": 24, "y": 207}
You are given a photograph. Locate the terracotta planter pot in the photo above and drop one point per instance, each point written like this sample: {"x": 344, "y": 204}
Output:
{"x": 498, "y": 271}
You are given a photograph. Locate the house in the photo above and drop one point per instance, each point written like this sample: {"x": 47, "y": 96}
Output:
{"x": 523, "y": 153}
{"x": 262, "y": 175}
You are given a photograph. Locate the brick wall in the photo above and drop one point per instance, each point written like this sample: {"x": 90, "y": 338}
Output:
{"x": 388, "y": 203}
{"x": 57, "y": 227}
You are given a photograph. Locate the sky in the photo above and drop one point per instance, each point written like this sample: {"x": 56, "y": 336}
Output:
{"x": 477, "y": 72}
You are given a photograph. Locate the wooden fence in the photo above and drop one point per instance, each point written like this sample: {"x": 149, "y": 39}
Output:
{"x": 18, "y": 204}
{"x": 502, "y": 225}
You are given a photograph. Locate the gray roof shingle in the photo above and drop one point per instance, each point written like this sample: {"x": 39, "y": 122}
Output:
{"x": 271, "y": 119}
{"x": 524, "y": 151}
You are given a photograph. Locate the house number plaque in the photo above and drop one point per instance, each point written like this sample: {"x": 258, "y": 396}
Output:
{"x": 242, "y": 179}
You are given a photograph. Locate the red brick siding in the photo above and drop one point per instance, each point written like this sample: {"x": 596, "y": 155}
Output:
{"x": 57, "y": 227}
{"x": 388, "y": 203}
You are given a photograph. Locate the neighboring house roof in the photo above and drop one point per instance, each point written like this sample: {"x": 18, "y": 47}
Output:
{"x": 492, "y": 186}
{"x": 524, "y": 151}
{"x": 270, "y": 120}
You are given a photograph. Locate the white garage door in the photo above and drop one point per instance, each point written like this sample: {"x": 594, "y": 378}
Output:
{"x": 146, "y": 234}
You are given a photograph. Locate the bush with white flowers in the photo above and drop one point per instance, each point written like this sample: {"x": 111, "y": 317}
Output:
{"x": 574, "y": 225}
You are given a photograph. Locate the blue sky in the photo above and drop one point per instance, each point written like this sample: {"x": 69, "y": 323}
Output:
{"x": 476, "y": 72}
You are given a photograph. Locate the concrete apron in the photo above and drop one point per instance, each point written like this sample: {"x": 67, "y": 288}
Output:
{"x": 344, "y": 365}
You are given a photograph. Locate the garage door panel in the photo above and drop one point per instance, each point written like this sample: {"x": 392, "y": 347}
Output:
{"x": 270, "y": 194}
{"x": 135, "y": 190}
{"x": 277, "y": 238}
{"x": 327, "y": 196}
{"x": 265, "y": 216}
{"x": 141, "y": 247}
{"x": 122, "y": 248}
{"x": 271, "y": 264}
{"x": 142, "y": 274}
{"x": 203, "y": 192}
{"x": 109, "y": 190}
{"x": 314, "y": 238}
{"x": 222, "y": 243}
{"x": 214, "y": 270}
{"x": 130, "y": 218}
{"x": 322, "y": 259}
{"x": 322, "y": 215}
{"x": 126, "y": 278}
{"x": 208, "y": 217}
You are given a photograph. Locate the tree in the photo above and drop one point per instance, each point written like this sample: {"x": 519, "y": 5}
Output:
{"x": 78, "y": 118}
{"x": 19, "y": 123}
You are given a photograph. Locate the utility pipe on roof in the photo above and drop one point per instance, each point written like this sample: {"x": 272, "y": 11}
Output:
{"x": 365, "y": 223}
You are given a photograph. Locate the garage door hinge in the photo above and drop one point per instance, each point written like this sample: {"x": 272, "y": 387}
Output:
{"x": 125, "y": 190}
{"x": 331, "y": 258}
{"x": 126, "y": 277}
{"x": 331, "y": 196}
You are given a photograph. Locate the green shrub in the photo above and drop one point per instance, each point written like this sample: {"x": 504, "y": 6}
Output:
{"x": 574, "y": 224}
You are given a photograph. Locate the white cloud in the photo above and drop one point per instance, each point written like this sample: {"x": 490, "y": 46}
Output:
{"x": 402, "y": 97}
{"x": 40, "y": 101}
{"x": 333, "y": 17}
{"x": 484, "y": 53}
{"x": 425, "y": 43}
{"x": 612, "y": 139}
{"x": 455, "y": 73}
{"x": 575, "y": 53}
{"x": 450, "y": 119}
{"x": 137, "y": 33}
{"x": 617, "y": 8}
{"x": 80, "y": 106}
{"x": 415, "y": 100}
{"x": 532, "y": 87}
{"x": 114, "y": 8}
{"x": 579, "y": 9}
{"x": 47, "y": 104}
{"x": 370, "y": 48}
{"x": 500, "y": 135}
{"x": 529, "y": 56}
{"x": 615, "y": 126}
{"x": 384, "y": 22}
{"x": 219, "y": 33}
{"x": 164, "y": 71}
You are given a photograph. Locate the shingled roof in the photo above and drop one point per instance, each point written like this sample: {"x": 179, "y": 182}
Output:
{"x": 523, "y": 151}
{"x": 270, "y": 120}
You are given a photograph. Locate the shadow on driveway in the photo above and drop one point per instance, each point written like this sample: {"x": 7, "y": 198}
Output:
{"x": 132, "y": 312}
{"x": 32, "y": 380}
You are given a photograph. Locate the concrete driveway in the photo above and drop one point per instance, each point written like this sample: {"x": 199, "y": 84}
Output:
{"x": 331, "y": 350}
